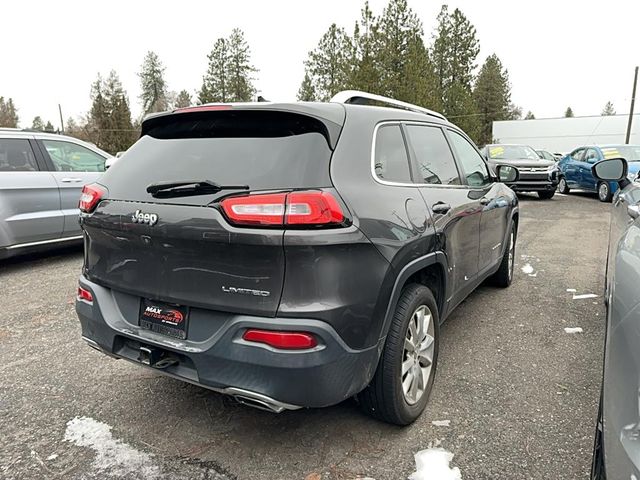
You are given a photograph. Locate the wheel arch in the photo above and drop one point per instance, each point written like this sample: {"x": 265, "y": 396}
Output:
{"x": 429, "y": 270}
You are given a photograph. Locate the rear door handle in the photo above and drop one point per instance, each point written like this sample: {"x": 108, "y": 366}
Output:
{"x": 441, "y": 208}
{"x": 484, "y": 201}
{"x": 70, "y": 179}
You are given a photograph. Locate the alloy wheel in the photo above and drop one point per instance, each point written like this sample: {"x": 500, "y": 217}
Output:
{"x": 512, "y": 248}
{"x": 417, "y": 356}
{"x": 603, "y": 191}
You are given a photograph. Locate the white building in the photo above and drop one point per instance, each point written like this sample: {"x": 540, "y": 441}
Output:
{"x": 564, "y": 134}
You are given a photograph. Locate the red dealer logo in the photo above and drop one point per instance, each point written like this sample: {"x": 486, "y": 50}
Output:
{"x": 173, "y": 317}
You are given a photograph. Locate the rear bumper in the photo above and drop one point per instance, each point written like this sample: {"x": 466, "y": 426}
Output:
{"x": 220, "y": 360}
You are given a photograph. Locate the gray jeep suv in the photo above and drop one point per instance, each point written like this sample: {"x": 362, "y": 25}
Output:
{"x": 41, "y": 178}
{"x": 293, "y": 255}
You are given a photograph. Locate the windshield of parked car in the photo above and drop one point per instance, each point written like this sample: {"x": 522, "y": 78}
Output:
{"x": 629, "y": 152}
{"x": 512, "y": 152}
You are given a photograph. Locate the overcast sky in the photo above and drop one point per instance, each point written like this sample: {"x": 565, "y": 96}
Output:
{"x": 558, "y": 53}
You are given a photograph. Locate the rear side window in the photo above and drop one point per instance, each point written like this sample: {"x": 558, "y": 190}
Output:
{"x": 433, "y": 155}
{"x": 265, "y": 150}
{"x": 16, "y": 155}
{"x": 70, "y": 157}
{"x": 391, "y": 160}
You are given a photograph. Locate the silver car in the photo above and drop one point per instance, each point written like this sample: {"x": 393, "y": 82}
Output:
{"x": 617, "y": 445}
{"x": 41, "y": 178}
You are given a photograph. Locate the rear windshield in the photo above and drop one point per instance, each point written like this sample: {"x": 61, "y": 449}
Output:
{"x": 265, "y": 150}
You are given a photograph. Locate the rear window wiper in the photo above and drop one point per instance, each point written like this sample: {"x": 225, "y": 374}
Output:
{"x": 189, "y": 187}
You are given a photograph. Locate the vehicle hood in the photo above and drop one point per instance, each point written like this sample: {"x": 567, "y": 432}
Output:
{"x": 524, "y": 163}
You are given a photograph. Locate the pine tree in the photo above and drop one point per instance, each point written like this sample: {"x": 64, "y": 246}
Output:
{"x": 183, "y": 99}
{"x": 152, "y": 84}
{"x": 530, "y": 116}
{"x": 109, "y": 123}
{"x": 49, "y": 127}
{"x": 215, "y": 83}
{"x": 608, "y": 109}
{"x": 568, "y": 112}
{"x": 399, "y": 34}
{"x": 306, "y": 93}
{"x": 8, "y": 113}
{"x": 492, "y": 96}
{"x": 454, "y": 53}
{"x": 240, "y": 70}
{"x": 328, "y": 64}
{"x": 37, "y": 123}
{"x": 365, "y": 74}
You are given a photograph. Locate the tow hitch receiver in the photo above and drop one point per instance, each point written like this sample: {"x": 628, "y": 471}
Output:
{"x": 156, "y": 358}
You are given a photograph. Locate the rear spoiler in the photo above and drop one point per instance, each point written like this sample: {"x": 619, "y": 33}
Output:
{"x": 326, "y": 118}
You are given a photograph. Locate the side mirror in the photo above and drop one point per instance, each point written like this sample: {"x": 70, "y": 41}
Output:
{"x": 507, "y": 173}
{"x": 612, "y": 170}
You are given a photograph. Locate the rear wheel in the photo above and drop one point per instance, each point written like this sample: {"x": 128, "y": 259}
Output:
{"x": 504, "y": 276}
{"x": 562, "y": 186}
{"x": 604, "y": 192}
{"x": 400, "y": 388}
{"x": 547, "y": 195}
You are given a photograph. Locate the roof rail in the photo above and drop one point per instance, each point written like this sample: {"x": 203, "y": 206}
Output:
{"x": 355, "y": 96}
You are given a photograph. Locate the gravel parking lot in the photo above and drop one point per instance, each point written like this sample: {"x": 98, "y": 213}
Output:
{"x": 519, "y": 392}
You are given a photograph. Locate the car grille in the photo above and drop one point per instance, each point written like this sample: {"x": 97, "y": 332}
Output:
{"x": 533, "y": 169}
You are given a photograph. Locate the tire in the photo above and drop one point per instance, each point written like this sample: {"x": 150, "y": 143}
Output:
{"x": 386, "y": 398}
{"x": 504, "y": 276}
{"x": 604, "y": 192}
{"x": 547, "y": 195}
{"x": 562, "y": 186}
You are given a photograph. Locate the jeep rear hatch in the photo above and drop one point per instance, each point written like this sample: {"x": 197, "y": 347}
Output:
{"x": 182, "y": 243}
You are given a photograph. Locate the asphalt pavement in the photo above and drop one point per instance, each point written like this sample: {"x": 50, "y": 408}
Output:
{"x": 520, "y": 393}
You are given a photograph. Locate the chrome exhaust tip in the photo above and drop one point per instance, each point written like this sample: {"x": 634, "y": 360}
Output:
{"x": 259, "y": 401}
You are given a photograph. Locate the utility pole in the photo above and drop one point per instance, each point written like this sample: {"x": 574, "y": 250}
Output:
{"x": 62, "y": 123}
{"x": 633, "y": 101}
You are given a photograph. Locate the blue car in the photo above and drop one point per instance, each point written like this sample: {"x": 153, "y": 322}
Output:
{"x": 575, "y": 168}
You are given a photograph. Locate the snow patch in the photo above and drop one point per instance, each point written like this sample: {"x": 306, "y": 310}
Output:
{"x": 433, "y": 464}
{"x": 53, "y": 456}
{"x": 571, "y": 290}
{"x": 528, "y": 269}
{"x": 441, "y": 423}
{"x": 119, "y": 458}
{"x": 584, "y": 295}
{"x": 573, "y": 329}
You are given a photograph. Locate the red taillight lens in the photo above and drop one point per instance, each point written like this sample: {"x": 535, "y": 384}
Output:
{"x": 91, "y": 195}
{"x": 281, "y": 340}
{"x": 313, "y": 208}
{"x": 255, "y": 209}
{"x": 296, "y": 208}
{"x": 85, "y": 295}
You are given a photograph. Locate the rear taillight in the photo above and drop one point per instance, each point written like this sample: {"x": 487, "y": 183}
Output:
{"x": 281, "y": 340}
{"x": 90, "y": 197}
{"x": 85, "y": 295}
{"x": 296, "y": 208}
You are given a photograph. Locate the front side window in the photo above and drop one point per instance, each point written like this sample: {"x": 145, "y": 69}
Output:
{"x": 577, "y": 155}
{"x": 391, "y": 160}
{"x": 433, "y": 155}
{"x": 16, "y": 155}
{"x": 70, "y": 157}
{"x": 475, "y": 170}
{"x": 591, "y": 156}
